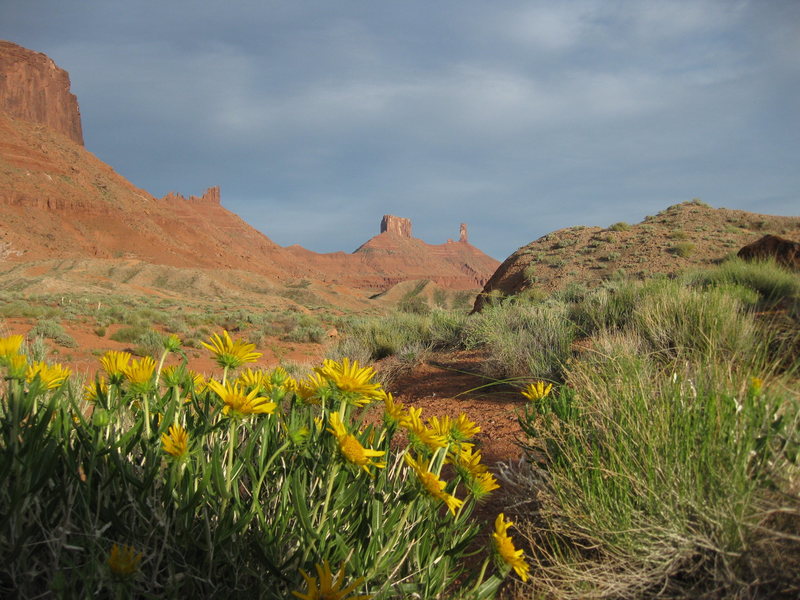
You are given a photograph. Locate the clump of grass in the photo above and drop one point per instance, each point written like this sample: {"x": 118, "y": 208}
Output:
{"x": 683, "y": 249}
{"x": 522, "y": 339}
{"x": 52, "y": 329}
{"x": 772, "y": 281}
{"x": 620, "y": 226}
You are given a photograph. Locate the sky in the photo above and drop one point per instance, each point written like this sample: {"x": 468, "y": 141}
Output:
{"x": 518, "y": 118}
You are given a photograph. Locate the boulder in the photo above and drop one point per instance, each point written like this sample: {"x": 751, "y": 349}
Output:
{"x": 784, "y": 252}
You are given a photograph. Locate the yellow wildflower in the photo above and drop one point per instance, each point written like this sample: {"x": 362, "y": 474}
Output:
{"x": 311, "y": 389}
{"x": 351, "y": 378}
{"x": 329, "y": 586}
{"x": 433, "y": 485}
{"x": 51, "y": 376}
{"x": 115, "y": 364}
{"x": 421, "y": 437}
{"x": 537, "y": 391}
{"x": 231, "y": 353}
{"x": 394, "y": 412}
{"x": 756, "y": 384}
{"x": 177, "y": 442}
{"x": 505, "y": 548}
{"x": 91, "y": 391}
{"x": 10, "y": 345}
{"x": 463, "y": 429}
{"x": 255, "y": 380}
{"x": 17, "y": 365}
{"x": 140, "y": 373}
{"x": 241, "y": 402}
{"x": 351, "y": 448}
{"x": 124, "y": 560}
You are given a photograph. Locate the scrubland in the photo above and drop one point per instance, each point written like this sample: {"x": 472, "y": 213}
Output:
{"x": 659, "y": 424}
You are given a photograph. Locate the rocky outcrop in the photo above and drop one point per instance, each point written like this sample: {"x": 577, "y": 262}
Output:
{"x": 462, "y": 234}
{"x": 210, "y": 196}
{"x": 33, "y": 88}
{"x": 396, "y": 225}
{"x": 783, "y": 251}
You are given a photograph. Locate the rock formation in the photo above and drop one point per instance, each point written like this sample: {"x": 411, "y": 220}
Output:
{"x": 397, "y": 225}
{"x": 210, "y": 196}
{"x": 783, "y": 251}
{"x": 33, "y": 88}
{"x": 462, "y": 234}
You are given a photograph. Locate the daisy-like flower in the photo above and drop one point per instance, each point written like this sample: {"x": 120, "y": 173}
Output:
{"x": 114, "y": 364}
{"x": 481, "y": 485}
{"x": 327, "y": 586}
{"x": 394, "y": 412}
{"x": 140, "y": 373}
{"x": 351, "y": 448}
{"x": 504, "y": 546}
{"x": 432, "y": 484}
{"x": 17, "y": 365}
{"x": 177, "y": 442}
{"x": 9, "y": 346}
{"x": 124, "y": 560}
{"x": 91, "y": 391}
{"x": 756, "y": 384}
{"x": 255, "y": 379}
{"x": 240, "y": 402}
{"x": 422, "y": 438}
{"x": 467, "y": 461}
{"x": 51, "y": 376}
{"x": 537, "y": 391}
{"x": 312, "y": 388}
{"x": 462, "y": 429}
{"x": 197, "y": 381}
{"x": 229, "y": 353}
{"x": 352, "y": 378}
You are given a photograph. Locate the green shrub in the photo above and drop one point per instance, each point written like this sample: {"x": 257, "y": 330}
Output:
{"x": 657, "y": 483}
{"x": 130, "y": 334}
{"x": 521, "y": 339}
{"x": 52, "y": 329}
{"x": 772, "y": 281}
{"x": 620, "y": 226}
{"x": 682, "y": 249}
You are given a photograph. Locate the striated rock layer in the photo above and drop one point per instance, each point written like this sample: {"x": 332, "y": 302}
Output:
{"x": 34, "y": 89}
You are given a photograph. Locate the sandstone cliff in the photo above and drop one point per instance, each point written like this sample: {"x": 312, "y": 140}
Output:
{"x": 57, "y": 200}
{"x": 34, "y": 89}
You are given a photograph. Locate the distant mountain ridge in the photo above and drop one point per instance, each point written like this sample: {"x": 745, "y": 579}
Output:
{"x": 57, "y": 200}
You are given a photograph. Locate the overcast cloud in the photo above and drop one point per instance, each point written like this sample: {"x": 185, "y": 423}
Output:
{"x": 316, "y": 118}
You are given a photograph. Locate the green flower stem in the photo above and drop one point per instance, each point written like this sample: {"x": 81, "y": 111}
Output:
{"x": 160, "y": 366}
{"x": 328, "y": 493}
{"x": 146, "y": 403}
{"x": 231, "y": 444}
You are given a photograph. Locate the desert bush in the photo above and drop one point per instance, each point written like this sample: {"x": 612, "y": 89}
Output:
{"x": 608, "y": 307}
{"x": 52, "y": 329}
{"x": 772, "y": 281}
{"x": 378, "y": 337}
{"x": 150, "y": 343}
{"x": 680, "y": 320}
{"x": 620, "y": 226}
{"x": 130, "y": 334}
{"x": 654, "y": 481}
{"x": 522, "y": 339}
{"x": 155, "y": 483}
{"x": 682, "y": 249}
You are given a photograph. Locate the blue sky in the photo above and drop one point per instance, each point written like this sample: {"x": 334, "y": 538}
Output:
{"x": 518, "y": 118}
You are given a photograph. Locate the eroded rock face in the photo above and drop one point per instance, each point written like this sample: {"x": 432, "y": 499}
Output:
{"x": 396, "y": 225}
{"x": 34, "y": 89}
{"x": 783, "y": 251}
{"x": 210, "y": 196}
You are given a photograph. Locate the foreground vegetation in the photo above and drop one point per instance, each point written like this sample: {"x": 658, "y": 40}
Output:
{"x": 156, "y": 482}
{"x": 660, "y": 426}
{"x": 664, "y": 461}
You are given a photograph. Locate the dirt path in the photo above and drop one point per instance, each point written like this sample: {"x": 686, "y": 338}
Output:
{"x": 449, "y": 384}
